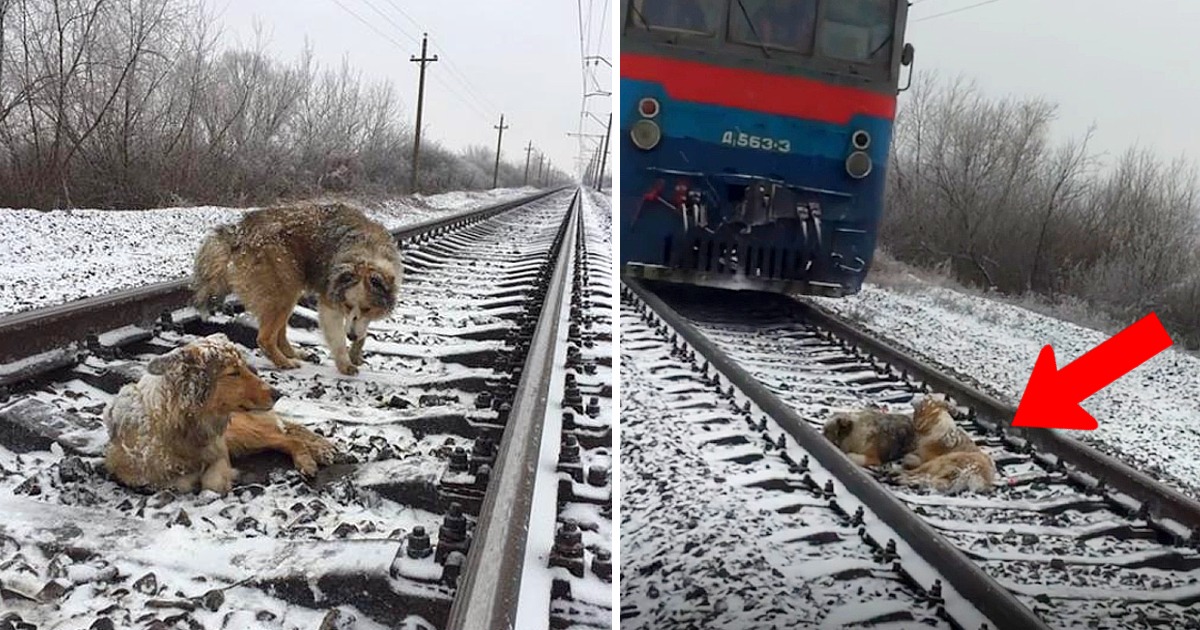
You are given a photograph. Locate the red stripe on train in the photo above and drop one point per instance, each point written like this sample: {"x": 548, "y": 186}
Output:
{"x": 792, "y": 96}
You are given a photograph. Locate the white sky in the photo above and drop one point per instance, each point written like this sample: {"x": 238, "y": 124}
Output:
{"x": 1127, "y": 65}
{"x": 518, "y": 57}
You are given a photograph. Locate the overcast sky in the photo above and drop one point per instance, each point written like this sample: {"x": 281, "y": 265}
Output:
{"x": 1125, "y": 65}
{"x": 519, "y": 57}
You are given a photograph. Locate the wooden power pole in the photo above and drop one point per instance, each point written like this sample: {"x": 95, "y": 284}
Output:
{"x": 528, "y": 152}
{"x": 499, "y": 138}
{"x": 424, "y": 60}
{"x": 540, "y": 159}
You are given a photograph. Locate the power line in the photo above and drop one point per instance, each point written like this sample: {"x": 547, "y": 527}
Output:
{"x": 455, "y": 72}
{"x": 479, "y": 111}
{"x": 959, "y": 10}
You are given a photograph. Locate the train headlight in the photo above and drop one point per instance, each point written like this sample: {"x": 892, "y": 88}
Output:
{"x": 648, "y": 107}
{"x": 861, "y": 140}
{"x": 645, "y": 134}
{"x": 859, "y": 165}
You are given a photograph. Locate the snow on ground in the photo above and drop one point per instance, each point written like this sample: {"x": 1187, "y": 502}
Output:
{"x": 1150, "y": 417}
{"x": 599, "y": 204}
{"x": 49, "y": 258}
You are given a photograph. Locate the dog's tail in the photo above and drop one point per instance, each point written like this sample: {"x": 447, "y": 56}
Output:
{"x": 210, "y": 277}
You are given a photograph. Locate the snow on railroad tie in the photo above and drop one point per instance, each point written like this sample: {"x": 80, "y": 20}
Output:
{"x": 369, "y": 543}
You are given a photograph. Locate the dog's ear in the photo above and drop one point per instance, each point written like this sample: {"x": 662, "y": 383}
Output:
{"x": 837, "y": 427}
{"x": 341, "y": 278}
{"x": 163, "y": 363}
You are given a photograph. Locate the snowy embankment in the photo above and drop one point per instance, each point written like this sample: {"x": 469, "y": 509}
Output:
{"x": 49, "y": 258}
{"x": 1150, "y": 418}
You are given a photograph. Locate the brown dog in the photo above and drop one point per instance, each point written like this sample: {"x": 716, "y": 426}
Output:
{"x": 945, "y": 458}
{"x": 953, "y": 473}
{"x": 937, "y": 433}
{"x": 274, "y": 256}
{"x": 177, "y": 426}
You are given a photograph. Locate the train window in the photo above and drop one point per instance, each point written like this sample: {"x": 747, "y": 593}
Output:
{"x": 786, "y": 24}
{"x": 692, "y": 16}
{"x": 857, "y": 30}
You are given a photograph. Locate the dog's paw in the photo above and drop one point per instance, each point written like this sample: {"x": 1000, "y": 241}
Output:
{"x": 356, "y": 358}
{"x": 304, "y": 462}
{"x": 324, "y": 452}
{"x": 347, "y": 368}
{"x": 219, "y": 479}
{"x": 288, "y": 364}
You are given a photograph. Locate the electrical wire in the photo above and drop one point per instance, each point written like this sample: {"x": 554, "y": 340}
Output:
{"x": 958, "y": 10}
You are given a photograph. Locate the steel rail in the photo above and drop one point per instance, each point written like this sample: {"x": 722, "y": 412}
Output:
{"x": 491, "y": 582}
{"x": 1158, "y": 500}
{"x": 994, "y": 601}
{"x": 37, "y": 331}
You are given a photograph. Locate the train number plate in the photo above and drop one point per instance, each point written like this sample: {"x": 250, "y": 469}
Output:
{"x": 762, "y": 143}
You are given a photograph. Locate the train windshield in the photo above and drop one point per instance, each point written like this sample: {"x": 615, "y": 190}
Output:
{"x": 857, "y": 30}
{"x": 689, "y": 16}
{"x": 783, "y": 24}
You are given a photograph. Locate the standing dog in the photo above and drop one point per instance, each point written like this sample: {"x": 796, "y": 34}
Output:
{"x": 945, "y": 458}
{"x": 274, "y": 256}
{"x": 177, "y": 426}
{"x": 871, "y": 437}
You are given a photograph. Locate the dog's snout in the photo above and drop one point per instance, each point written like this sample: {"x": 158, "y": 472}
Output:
{"x": 351, "y": 335}
{"x": 275, "y": 395}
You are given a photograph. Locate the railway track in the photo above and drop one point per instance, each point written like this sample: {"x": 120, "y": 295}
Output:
{"x": 446, "y": 433}
{"x": 1070, "y": 540}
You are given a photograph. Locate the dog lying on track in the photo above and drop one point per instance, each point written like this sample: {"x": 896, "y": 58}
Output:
{"x": 195, "y": 407}
{"x": 871, "y": 437}
{"x": 274, "y": 256}
{"x": 933, "y": 450}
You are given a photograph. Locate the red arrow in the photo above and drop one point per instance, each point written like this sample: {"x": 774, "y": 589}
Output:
{"x": 1052, "y": 396}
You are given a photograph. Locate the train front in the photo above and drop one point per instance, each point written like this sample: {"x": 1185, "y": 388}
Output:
{"x": 755, "y": 137}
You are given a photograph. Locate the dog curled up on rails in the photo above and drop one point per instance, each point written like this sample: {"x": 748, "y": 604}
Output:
{"x": 195, "y": 407}
{"x": 274, "y": 256}
{"x": 871, "y": 437}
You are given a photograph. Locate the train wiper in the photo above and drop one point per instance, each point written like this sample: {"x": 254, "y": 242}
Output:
{"x": 754, "y": 31}
{"x": 640, "y": 16}
{"x": 881, "y": 45}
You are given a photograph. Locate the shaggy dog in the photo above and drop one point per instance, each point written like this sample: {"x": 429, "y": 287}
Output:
{"x": 272, "y": 257}
{"x": 871, "y": 437}
{"x": 195, "y": 407}
{"x": 945, "y": 458}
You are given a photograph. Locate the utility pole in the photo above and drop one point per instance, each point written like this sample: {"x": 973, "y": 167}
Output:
{"x": 499, "y": 138}
{"x": 528, "y": 151}
{"x": 540, "y": 159}
{"x": 604, "y": 153}
{"x": 424, "y": 60}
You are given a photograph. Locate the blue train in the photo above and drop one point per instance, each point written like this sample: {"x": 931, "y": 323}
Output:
{"x": 755, "y": 137}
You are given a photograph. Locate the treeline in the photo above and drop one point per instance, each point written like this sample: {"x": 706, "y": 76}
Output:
{"x": 133, "y": 103}
{"x": 979, "y": 185}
